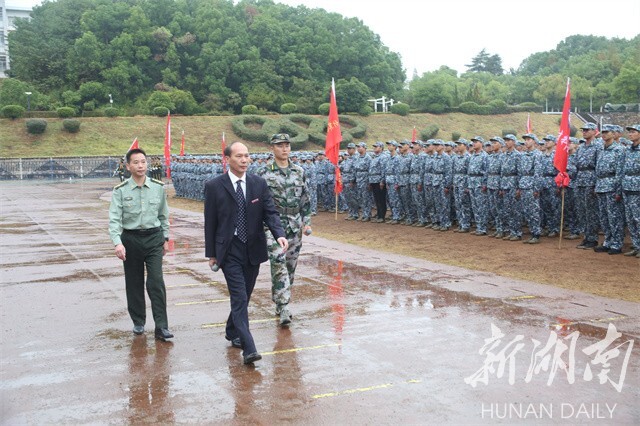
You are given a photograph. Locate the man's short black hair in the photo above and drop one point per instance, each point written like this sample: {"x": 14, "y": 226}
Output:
{"x": 135, "y": 151}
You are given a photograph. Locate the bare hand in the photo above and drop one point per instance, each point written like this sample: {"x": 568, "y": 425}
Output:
{"x": 212, "y": 261}
{"x": 283, "y": 243}
{"x": 165, "y": 248}
{"x": 121, "y": 252}
{"x": 307, "y": 230}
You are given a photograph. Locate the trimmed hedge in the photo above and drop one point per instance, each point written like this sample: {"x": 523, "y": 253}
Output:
{"x": 435, "y": 108}
{"x": 323, "y": 109}
{"x": 36, "y": 126}
{"x": 66, "y": 112}
{"x": 474, "y": 108}
{"x": 499, "y": 107}
{"x": 111, "y": 112}
{"x": 160, "y": 111}
{"x": 430, "y": 132}
{"x": 71, "y": 125}
{"x": 455, "y": 136}
{"x": 288, "y": 108}
{"x": 366, "y": 111}
{"x": 12, "y": 111}
{"x": 400, "y": 109}
{"x": 249, "y": 110}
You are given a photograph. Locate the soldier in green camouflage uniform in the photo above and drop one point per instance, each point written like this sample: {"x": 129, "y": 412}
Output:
{"x": 291, "y": 197}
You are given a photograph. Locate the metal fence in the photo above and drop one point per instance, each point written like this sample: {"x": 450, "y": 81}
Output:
{"x": 58, "y": 168}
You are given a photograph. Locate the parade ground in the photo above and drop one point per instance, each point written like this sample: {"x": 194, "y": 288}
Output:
{"x": 377, "y": 337}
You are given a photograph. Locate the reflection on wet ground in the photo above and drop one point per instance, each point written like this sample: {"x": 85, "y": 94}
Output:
{"x": 376, "y": 338}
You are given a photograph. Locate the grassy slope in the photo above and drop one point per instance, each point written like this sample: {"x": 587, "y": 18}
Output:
{"x": 109, "y": 136}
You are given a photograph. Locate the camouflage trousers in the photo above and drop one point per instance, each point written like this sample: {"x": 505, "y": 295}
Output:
{"x": 587, "y": 210}
{"x": 511, "y": 218}
{"x": 418, "y": 202}
{"x": 495, "y": 209}
{"x": 632, "y": 213}
{"x": 407, "y": 203}
{"x": 351, "y": 197}
{"x": 550, "y": 204}
{"x": 480, "y": 208}
{"x": 429, "y": 204}
{"x": 611, "y": 214}
{"x": 443, "y": 206}
{"x": 283, "y": 268}
{"x": 313, "y": 198}
{"x": 365, "y": 198}
{"x": 531, "y": 210}
{"x": 570, "y": 215}
{"x": 393, "y": 197}
{"x": 463, "y": 207}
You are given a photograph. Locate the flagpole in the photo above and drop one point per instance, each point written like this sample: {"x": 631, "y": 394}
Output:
{"x": 561, "y": 220}
{"x": 336, "y": 217}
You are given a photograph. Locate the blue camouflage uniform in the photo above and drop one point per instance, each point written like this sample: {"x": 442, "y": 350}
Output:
{"x": 393, "y": 193}
{"x": 376, "y": 179}
{"x": 364, "y": 196}
{"x": 609, "y": 166}
{"x": 477, "y": 184}
{"x": 415, "y": 183}
{"x": 585, "y": 196}
{"x": 349, "y": 183}
{"x": 460, "y": 166}
{"x": 427, "y": 179}
{"x": 511, "y": 218}
{"x": 631, "y": 191}
{"x": 529, "y": 183}
{"x": 442, "y": 184}
{"x": 494, "y": 164}
{"x": 549, "y": 199}
{"x": 403, "y": 177}
{"x": 312, "y": 182}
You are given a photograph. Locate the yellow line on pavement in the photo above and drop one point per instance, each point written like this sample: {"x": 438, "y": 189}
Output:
{"x": 178, "y": 271}
{"x": 308, "y": 348}
{"x": 526, "y": 296}
{"x": 358, "y": 390}
{"x": 200, "y": 302}
{"x": 192, "y": 285}
{"x": 224, "y": 324}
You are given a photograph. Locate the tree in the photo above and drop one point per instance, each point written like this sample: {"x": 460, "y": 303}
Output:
{"x": 483, "y": 62}
{"x": 351, "y": 95}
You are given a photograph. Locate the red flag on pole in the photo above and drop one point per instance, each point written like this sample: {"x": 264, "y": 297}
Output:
{"x": 413, "y": 135}
{"x": 134, "y": 145}
{"x": 528, "y": 123}
{"x": 167, "y": 145}
{"x": 334, "y": 137}
{"x": 182, "y": 145}
{"x": 224, "y": 160}
{"x": 562, "y": 146}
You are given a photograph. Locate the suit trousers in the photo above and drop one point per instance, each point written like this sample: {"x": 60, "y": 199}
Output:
{"x": 241, "y": 276}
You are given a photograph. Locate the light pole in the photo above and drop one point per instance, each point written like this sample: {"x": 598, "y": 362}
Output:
{"x": 110, "y": 100}
{"x": 28, "y": 103}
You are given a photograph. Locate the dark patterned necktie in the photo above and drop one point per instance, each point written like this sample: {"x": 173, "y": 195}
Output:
{"x": 241, "y": 223}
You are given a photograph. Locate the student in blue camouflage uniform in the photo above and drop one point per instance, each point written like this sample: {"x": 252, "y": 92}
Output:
{"x": 363, "y": 192}
{"x": 321, "y": 172}
{"x": 549, "y": 193}
{"x": 442, "y": 185}
{"x": 461, "y": 198}
{"x": 427, "y": 179}
{"x": 477, "y": 184}
{"x": 529, "y": 185}
{"x": 291, "y": 198}
{"x": 403, "y": 177}
{"x": 329, "y": 185}
{"x": 609, "y": 164}
{"x": 494, "y": 164}
{"x": 631, "y": 189}
{"x": 570, "y": 213}
{"x": 377, "y": 180}
{"x": 312, "y": 183}
{"x": 391, "y": 180}
{"x": 349, "y": 182}
{"x": 415, "y": 182}
{"x": 511, "y": 218}
{"x": 586, "y": 199}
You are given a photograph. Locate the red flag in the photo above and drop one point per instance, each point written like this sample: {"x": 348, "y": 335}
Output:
{"x": 134, "y": 145}
{"x": 562, "y": 146}
{"x": 167, "y": 146}
{"x": 413, "y": 135}
{"x": 182, "y": 145}
{"x": 334, "y": 137}
{"x": 528, "y": 123}
{"x": 224, "y": 160}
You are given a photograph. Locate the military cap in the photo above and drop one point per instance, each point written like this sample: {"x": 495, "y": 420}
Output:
{"x": 519, "y": 142}
{"x": 608, "y": 128}
{"x": 438, "y": 142}
{"x": 422, "y": 144}
{"x": 619, "y": 129}
{"x": 487, "y": 143}
{"x": 279, "y": 138}
{"x": 477, "y": 139}
{"x": 530, "y": 136}
{"x": 405, "y": 142}
{"x": 573, "y": 140}
{"x": 510, "y": 136}
{"x": 429, "y": 142}
{"x": 497, "y": 139}
{"x": 589, "y": 126}
{"x": 378, "y": 143}
{"x": 635, "y": 127}
{"x": 362, "y": 144}
{"x": 464, "y": 141}
{"x": 351, "y": 145}
{"x": 550, "y": 138}
{"x": 394, "y": 143}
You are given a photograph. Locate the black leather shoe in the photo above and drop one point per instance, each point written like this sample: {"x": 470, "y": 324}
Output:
{"x": 601, "y": 249}
{"x": 615, "y": 251}
{"x": 163, "y": 334}
{"x": 235, "y": 342}
{"x": 251, "y": 358}
{"x": 138, "y": 330}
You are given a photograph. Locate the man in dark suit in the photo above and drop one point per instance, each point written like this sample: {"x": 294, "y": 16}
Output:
{"x": 236, "y": 208}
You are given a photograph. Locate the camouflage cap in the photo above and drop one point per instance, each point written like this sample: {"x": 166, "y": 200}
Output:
{"x": 394, "y": 143}
{"x": 497, "y": 139}
{"x": 280, "y": 138}
{"x": 362, "y": 144}
{"x": 487, "y": 143}
{"x": 519, "y": 142}
{"x": 550, "y": 138}
{"x": 477, "y": 139}
{"x": 405, "y": 142}
{"x": 608, "y": 128}
{"x": 438, "y": 142}
{"x": 530, "y": 136}
{"x": 351, "y": 146}
{"x": 589, "y": 126}
{"x": 573, "y": 140}
{"x": 635, "y": 127}
{"x": 619, "y": 129}
{"x": 510, "y": 136}
{"x": 429, "y": 142}
{"x": 378, "y": 143}
{"x": 464, "y": 141}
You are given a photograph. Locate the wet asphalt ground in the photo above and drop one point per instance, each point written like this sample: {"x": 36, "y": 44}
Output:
{"x": 375, "y": 338}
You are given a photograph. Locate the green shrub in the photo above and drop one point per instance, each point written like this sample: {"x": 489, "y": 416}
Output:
{"x": 498, "y": 107}
{"x": 366, "y": 111}
{"x": 436, "y": 108}
{"x": 430, "y": 132}
{"x": 71, "y": 125}
{"x": 160, "y": 111}
{"x": 96, "y": 113}
{"x": 469, "y": 108}
{"x": 43, "y": 114}
{"x": 288, "y": 108}
{"x": 400, "y": 109}
{"x": 323, "y": 109}
{"x": 256, "y": 133}
{"x": 111, "y": 112}
{"x": 89, "y": 106}
{"x": 36, "y": 126}
{"x": 249, "y": 110}
{"x": 66, "y": 112}
{"x": 160, "y": 99}
{"x": 12, "y": 111}
{"x": 505, "y": 132}
{"x": 455, "y": 136}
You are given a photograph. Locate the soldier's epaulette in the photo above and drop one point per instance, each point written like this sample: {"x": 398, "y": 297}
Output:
{"x": 120, "y": 185}
{"x": 159, "y": 182}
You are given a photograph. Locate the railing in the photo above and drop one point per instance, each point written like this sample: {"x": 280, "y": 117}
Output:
{"x": 58, "y": 168}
